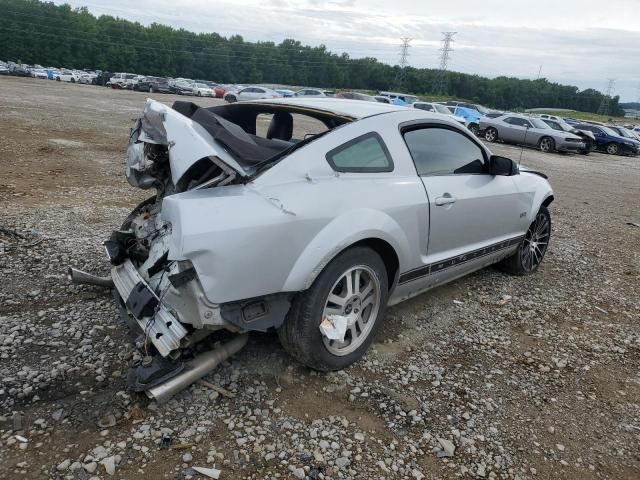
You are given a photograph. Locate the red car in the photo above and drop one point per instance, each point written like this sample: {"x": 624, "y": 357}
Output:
{"x": 220, "y": 90}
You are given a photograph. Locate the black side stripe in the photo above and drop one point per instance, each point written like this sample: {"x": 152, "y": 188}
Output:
{"x": 447, "y": 263}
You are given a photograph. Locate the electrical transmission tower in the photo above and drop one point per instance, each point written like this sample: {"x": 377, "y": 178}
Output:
{"x": 404, "y": 53}
{"x": 604, "y": 104}
{"x": 445, "y": 55}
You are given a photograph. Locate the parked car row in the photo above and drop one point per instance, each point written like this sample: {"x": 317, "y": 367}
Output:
{"x": 553, "y": 133}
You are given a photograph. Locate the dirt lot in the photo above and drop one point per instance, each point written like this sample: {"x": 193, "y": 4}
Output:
{"x": 535, "y": 377}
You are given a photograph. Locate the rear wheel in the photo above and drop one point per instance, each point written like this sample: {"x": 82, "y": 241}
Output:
{"x": 528, "y": 257}
{"x": 353, "y": 289}
{"x": 473, "y": 128}
{"x": 231, "y": 98}
{"x": 491, "y": 134}
{"x": 547, "y": 145}
{"x": 612, "y": 149}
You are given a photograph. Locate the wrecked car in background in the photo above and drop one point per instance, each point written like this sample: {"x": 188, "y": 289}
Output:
{"x": 312, "y": 233}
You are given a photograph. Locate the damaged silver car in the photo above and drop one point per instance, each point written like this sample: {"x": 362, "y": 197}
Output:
{"x": 310, "y": 233}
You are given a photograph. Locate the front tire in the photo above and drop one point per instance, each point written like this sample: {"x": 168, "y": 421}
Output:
{"x": 491, "y": 134}
{"x": 473, "y": 128}
{"x": 547, "y": 145}
{"x": 354, "y": 285}
{"x": 231, "y": 99}
{"x": 612, "y": 149}
{"x": 529, "y": 255}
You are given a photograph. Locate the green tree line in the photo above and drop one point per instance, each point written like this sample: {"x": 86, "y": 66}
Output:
{"x": 41, "y": 32}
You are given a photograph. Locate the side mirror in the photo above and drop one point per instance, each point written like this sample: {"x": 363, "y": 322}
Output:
{"x": 502, "y": 166}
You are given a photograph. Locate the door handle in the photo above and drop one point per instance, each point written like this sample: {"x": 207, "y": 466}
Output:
{"x": 445, "y": 200}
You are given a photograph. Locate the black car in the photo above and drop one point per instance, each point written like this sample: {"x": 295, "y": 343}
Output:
{"x": 587, "y": 137}
{"x": 103, "y": 78}
{"x": 20, "y": 71}
{"x": 181, "y": 88}
{"x": 153, "y": 84}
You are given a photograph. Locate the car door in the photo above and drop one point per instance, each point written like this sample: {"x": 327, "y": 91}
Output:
{"x": 474, "y": 217}
{"x": 517, "y": 129}
{"x": 245, "y": 94}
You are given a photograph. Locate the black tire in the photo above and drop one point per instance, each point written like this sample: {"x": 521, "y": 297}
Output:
{"x": 199, "y": 94}
{"x": 300, "y": 333}
{"x": 547, "y": 145}
{"x": 151, "y": 89}
{"x": 73, "y": 80}
{"x": 231, "y": 98}
{"x": 474, "y": 128}
{"x": 57, "y": 79}
{"x": 612, "y": 149}
{"x": 517, "y": 263}
{"x": 491, "y": 134}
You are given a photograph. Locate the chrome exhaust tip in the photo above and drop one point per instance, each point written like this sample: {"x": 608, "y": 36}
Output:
{"x": 83, "y": 278}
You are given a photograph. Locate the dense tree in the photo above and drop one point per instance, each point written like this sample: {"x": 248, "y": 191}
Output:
{"x": 48, "y": 34}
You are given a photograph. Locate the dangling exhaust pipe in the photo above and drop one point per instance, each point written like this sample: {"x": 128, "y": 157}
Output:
{"x": 84, "y": 278}
{"x": 196, "y": 369}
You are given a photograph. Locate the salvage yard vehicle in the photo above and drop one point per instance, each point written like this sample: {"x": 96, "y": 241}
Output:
{"x": 439, "y": 108}
{"x": 587, "y": 137}
{"x": 626, "y": 134}
{"x": 312, "y": 234}
{"x": 471, "y": 115}
{"x": 250, "y": 93}
{"x": 202, "y": 90}
{"x": 153, "y": 85}
{"x": 531, "y": 131}
{"x": 609, "y": 141}
{"x": 68, "y": 76}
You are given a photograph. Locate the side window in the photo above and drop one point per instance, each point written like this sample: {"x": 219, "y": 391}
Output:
{"x": 440, "y": 151}
{"x": 366, "y": 153}
{"x": 424, "y": 106}
{"x": 525, "y": 123}
{"x": 514, "y": 121}
{"x": 554, "y": 125}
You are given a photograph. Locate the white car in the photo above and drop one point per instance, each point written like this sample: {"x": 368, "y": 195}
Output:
{"x": 40, "y": 73}
{"x": 87, "y": 78}
{"x": 251, "y": 93}
{"x": 313, "y": 235}
{"x": 439, "y": 108}
{"x": 67, "y": 76}
{"x": 120, "y": 80}
{"x": 203, "y": 90}
{"x": 310, "y": 92}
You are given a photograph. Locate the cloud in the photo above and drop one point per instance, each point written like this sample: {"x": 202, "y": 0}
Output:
{"x": 573, "y": 41}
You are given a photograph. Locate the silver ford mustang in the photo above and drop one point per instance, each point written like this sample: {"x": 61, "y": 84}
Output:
{"x": 313, "y": 235}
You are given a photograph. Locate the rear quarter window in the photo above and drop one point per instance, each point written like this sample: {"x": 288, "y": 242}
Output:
{"x": 366, "y": 153}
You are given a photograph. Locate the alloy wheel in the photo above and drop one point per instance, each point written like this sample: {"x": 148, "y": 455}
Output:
{"x": 612, "y": 149}
{"x": 535, "y": 242}
{"x": 490, "y": 135}
{"x": 355, "y": 295}
{"x": 545, "y": 145}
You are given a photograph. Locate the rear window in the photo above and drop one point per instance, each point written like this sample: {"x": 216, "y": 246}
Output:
{"x": 367, "y": 153}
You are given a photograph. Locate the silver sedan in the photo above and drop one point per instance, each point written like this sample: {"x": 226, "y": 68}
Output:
{"x": 312, "y": 234}
{"x": 530, "y": 131}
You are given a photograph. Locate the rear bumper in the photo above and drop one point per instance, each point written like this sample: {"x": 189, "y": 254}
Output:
{"x": 164, "y": 330}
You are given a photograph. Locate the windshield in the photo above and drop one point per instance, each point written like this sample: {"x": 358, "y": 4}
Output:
{"x": 608, "y": 131}
{"x": 201, "y": 85}
{"x": 442, "y": 109}
{"x": 537, "y": 123}
{"x": 625, "y": 133}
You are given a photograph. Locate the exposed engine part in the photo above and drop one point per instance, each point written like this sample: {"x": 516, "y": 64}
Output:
{"x": 195, "y": 369}
{"x": 83, "y": 278}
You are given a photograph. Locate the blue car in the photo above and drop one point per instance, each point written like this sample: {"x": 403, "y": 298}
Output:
{"x": 283, "y": 92}
{"x": 470, "y": 115}
{"x": 609, "y": 141}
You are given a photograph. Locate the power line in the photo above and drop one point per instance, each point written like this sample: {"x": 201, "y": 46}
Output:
{"x": 604, "y": 104}
{"x": 445, "y": 56}
{"x": 404, "y": 53}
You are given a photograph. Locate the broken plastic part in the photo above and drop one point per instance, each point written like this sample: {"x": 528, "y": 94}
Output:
{"x": 334, "y": 327}
{"x": 209, "y": 472}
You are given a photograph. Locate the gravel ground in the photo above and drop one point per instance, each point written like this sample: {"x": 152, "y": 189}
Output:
{"x": 491, "y": 376}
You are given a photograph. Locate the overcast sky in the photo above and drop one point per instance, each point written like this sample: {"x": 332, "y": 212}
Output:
{"x": 578, "y": 42}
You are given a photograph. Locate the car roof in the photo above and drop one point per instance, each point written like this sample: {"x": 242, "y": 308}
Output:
{"x": 338, "y": 106}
